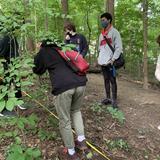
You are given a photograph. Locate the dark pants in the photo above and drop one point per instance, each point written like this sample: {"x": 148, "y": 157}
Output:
{"x": 110, "y": 80}
{"x": 18, "y": 93}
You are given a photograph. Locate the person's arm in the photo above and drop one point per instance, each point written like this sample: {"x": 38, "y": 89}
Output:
{"x": 67, "y": 39}
{"x": 117, "y": 45}
{"x": 39, "y": 67}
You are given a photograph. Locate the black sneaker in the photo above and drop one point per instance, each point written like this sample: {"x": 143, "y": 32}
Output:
{"x": 6, "y": 113}
{"x": 106, "y": 101}
{"x": 114, "y": 104}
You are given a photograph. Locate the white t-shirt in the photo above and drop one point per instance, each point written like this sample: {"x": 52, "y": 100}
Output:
{"x": 157, "y": 72}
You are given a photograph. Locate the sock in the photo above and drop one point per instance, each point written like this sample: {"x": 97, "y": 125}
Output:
{"x": 71, "y": 151}
{"x": 81, "y": 138}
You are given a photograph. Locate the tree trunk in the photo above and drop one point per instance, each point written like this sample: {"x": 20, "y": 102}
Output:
{"x": 30, "y": 46}
{"x": 65, "y": 9}
{"x": 145, "y": 36}
{"x": 89, "y": 33}
{"x": 109, "y": 7}
{"x": 46, "y": 16}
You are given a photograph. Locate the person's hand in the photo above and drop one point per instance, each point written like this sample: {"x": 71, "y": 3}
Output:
{"x": 112, "y": 61}
{"x": 38, "y": 45}
{"x": 67, "y": 37}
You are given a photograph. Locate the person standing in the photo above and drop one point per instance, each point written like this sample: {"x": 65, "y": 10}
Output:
{"x": 68, "y": 87}
{"x": 79, "y": 40}
{"x": 107, "y": 57}
{"x": 157, "y": 71}
{"x": 9, "y": 49}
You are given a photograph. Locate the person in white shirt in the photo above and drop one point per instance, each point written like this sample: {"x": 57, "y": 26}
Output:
{"x": 107, "y": 57}
{"x": 157, "y": 71}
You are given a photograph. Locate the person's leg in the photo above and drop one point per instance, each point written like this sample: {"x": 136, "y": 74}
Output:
{"x": 77, "y": 120}
{"x": 63, "y": 106}
{"x": 114, "y": 90}
{"x": 18, "y": 93}
{"x": 5, "y": 112}
{"x": 75, "y": 110}
{"x": 105, "y": 71}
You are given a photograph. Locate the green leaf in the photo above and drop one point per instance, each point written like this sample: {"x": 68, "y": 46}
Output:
{"x": 4, "y": 89}
{"x": 19, "y": 102}
{"x": 2, "y": 105}
{"x": 20, "y": 125}
{"x": 18, "y": 65}
{"x": 26, "y": 83}
{"x": 2, "y": 95}
{"x": 11, "y": 94}
{"x": 10, "y": 104}
{"x": 36, "y": 153}
{"x": 18, "y": 140}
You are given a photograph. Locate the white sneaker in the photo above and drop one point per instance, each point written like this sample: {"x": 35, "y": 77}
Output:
{"x": 1, "y": 115}
{"x": 20, "y": 107}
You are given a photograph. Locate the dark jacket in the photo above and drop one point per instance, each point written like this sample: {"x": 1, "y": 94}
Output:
{"x": 8, "y": 47}
{"x": 61, "y": 76}
{"x": 81, "y": 43}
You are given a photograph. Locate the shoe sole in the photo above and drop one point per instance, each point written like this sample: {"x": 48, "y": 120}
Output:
{"x": 22, "y": 108}
{"x": 1, "y": 115}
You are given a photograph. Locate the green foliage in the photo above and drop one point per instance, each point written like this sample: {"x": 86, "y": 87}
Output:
{"x": 19, "y": 152}
{"x": 97, "y": 108}
{"x": 52, "y": 122}
{"x": 116, "y": 114}
{"x": 117, "y": 144}
{"x": 52, "y": 38}
{"x": 46, "y": 135}
{"x": 13, "y": 128}
{"x": 13, "y": 77}
{"x": 20, "y": 123}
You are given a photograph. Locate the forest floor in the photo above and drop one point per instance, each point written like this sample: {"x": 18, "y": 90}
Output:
{"x": 138, "y": 138}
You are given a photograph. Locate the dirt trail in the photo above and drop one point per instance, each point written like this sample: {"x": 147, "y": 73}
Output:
{"x": 141, "y": 107}
{"x": 142, "y": 112}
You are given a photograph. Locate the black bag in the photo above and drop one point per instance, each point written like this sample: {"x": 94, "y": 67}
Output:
{"x": 120, "y": 62}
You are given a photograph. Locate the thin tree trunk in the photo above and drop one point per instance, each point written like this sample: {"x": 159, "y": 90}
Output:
{"x": 89, "y": 33}
{"x": 145, "y": 37}
{"x": 46, "y": 16}
{"x": 65, "y": 10}
{"x": 109, "y": 7}
{"x": 36, "y": 30}
{"x": 29, "y": 41}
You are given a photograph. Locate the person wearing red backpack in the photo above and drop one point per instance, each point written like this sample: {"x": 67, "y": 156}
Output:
{"x": 107, "y": 57}
{"x": 79, "y": 40}
{"x": 68, "y": 87}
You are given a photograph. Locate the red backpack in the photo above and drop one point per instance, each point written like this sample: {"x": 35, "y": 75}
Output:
{"x": 75, "y": 61}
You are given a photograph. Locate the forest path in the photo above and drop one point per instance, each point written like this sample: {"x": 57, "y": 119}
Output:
{"x": 141, "y": 107}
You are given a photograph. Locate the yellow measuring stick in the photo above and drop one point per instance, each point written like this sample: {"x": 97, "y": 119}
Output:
{"x": 88, "y": 143}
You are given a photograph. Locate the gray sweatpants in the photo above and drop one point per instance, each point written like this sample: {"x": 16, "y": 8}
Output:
{"x": 68, "y": 106}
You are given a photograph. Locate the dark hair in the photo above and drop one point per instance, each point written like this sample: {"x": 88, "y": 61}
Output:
{"x": 158, "y": 39}
{"x": 48, "y": 43}
{"x": 107, "y": 15}
{"x": 70, "y": 26}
